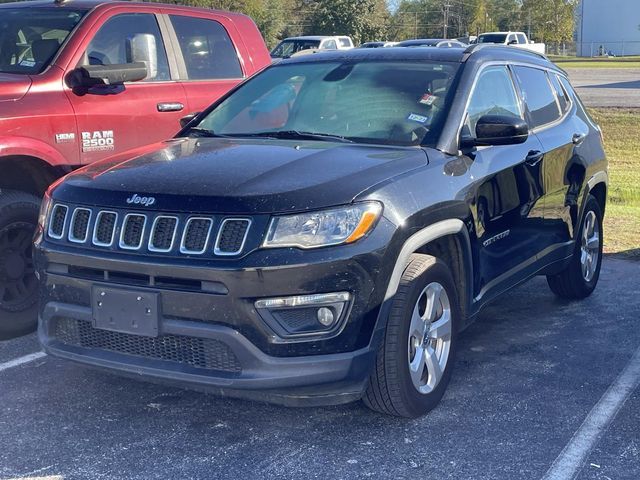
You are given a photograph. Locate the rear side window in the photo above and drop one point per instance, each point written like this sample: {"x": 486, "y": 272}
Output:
{"x": 330, "y": 45}
{"x": 208, "y": 52}
{"x": 345, "y": 42}
{"x": 538, "y": 95}
{"x": 521, "y": 38}
{"x": 494, "y": 94}
{"x": 563, "y": 96}
{"x": 112, "y": 45}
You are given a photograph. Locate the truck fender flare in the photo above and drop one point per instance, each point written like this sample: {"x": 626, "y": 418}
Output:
{"x": 30, "y": 147}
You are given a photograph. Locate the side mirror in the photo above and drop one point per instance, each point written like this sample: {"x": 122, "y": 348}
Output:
{"x": 186, "y": 120}
{"x": 89, "y": 76}
{"x": 513, "y": 42}
{"x": 141, "y": 48}
{"x": 497, "y": 130}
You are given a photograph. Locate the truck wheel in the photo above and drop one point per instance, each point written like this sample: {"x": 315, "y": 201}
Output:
{"x": 580, "y": 277}
{"x": 414, "y": 363}
{"x": 18, "y": 284}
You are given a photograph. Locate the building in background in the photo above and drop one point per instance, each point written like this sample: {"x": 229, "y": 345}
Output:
{"x": 611, "y": 26}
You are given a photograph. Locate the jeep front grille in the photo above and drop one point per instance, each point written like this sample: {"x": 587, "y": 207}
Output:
{"x": 196, "y": 352}
{"x": 149, "y": 232}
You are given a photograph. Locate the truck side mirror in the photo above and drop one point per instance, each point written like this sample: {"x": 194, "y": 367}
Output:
{"x": 142, "y": 48}
{"x": 88, "y": 76}
{"x": 513, "y": 42}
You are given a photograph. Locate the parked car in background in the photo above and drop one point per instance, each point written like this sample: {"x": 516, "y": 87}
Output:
{"x": 82, "y": 80}
{"x": 324, "y": 232}
{"x": 515, "y": 39}
{"x": 378, "y": 44}
{"x": 294, "y": 45}
{"x": 431, "y": 42}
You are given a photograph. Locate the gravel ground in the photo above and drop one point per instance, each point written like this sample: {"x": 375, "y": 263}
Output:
{"x": 528, "y": 373}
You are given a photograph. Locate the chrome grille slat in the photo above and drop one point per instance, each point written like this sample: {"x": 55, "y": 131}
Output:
{"x": 232, "y": 236}
{"x": 57, "y": 221}
{"x": 104, "y": 230}
{"x": 79, "y": 226}
{"x": 133, "y": 229}
{"x": 163, "y": 233}
{"x": 196, "y": 235}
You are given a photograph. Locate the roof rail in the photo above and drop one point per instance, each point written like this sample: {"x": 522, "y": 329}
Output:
{"x": 471, "y": 49}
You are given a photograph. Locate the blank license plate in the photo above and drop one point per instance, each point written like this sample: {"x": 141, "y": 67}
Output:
{"x": 125, "y": 311}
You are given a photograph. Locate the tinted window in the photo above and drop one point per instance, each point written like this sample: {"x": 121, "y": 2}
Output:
{"x": 538, "y": 95}
{"x": 345, "y": 42}
{"x": 29, "y": 41}
{"x": 208, "y": 51}
{"x": 112, "y": 44}
{"x": 286, "y": 48}
{"x": 492, "y": 38}
{"x": 563, "y": 96}
{"x": 521, "y": 38}
{"x": 494, "y": 94}
{"x": 397, "y": 103}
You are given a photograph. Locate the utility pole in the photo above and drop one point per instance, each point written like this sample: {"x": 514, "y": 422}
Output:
{"x": 445, "y": 25}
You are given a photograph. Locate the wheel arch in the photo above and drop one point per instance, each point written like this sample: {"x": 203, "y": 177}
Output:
{"x": 449, "y": 241}
{"x": 27, "y": 173}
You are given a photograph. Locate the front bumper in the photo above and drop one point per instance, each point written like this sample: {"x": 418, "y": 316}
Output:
{"x": 214, "y": 339}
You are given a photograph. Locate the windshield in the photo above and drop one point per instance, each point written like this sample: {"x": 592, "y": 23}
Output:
{"x": 30, "y": 38}
{"x": 286, "y": 48}
{"x": 492, "y": 38}
{"x": 391, "y": 103}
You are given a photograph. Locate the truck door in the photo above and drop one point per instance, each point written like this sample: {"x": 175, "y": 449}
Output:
{"x": 117, "y": 118}
{"x": 209, "y": 65}
{"x": 507, "y": 193}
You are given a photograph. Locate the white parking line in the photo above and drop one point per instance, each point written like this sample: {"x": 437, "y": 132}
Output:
{"x": 571, "y": 459}
{"x": 21, "y": 361}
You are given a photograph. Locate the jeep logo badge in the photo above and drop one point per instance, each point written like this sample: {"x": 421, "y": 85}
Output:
{"x": 136, "y": 199}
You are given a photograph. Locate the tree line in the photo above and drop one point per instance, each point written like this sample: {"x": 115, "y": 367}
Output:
{"x": 550, "y": 21}
{"x": 369, "y": 20}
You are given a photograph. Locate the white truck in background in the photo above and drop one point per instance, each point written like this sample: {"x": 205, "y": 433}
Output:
{"x": 516, "y": 39}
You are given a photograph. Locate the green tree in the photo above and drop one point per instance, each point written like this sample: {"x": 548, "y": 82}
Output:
{"x": 551, "y": 20}
{"x": 363, "y": 20}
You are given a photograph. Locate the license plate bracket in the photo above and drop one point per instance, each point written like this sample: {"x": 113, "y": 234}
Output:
{"x": 125, "y": 311}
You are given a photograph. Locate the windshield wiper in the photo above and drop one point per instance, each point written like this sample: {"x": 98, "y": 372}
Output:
{"x": 201, "y": 132}
{"x": 294, "y": 135}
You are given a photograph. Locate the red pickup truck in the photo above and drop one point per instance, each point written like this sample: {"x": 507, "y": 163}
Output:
{"x": 81, "y": 80}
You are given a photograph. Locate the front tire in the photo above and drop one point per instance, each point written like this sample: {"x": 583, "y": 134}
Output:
{"x": 414, "y": 363}
{"x": 579, "y": 279}
{"x": 18, "y": 284}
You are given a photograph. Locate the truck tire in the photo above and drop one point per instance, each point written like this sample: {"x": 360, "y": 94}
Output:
{"x": 414, "y": 363}
{"x": 579, "y": 279}
{"x": 18, "y": 284}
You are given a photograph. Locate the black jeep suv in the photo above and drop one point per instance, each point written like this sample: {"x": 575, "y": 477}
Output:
{"x": 323, "y": 232}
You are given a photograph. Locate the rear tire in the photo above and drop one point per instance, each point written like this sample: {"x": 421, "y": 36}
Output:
{"x": 18, "y": 284}
{"x": 414, "y": 362}
{"x": 579, "y": 279}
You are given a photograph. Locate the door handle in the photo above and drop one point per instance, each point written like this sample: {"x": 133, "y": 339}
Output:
{"x": 170, "y": 107}
{"x": 534, "y": 157}
{"x": 578, "y": 138}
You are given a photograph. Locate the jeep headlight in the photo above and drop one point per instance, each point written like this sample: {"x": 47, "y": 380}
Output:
{"x": 323, "y": 228}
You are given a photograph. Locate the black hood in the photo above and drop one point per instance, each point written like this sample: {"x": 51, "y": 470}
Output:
{"x": 240, "y": 176}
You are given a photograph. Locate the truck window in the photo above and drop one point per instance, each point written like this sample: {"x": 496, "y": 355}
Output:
{"x": 208, "y": 51}
{"x": 28, "y": 43}
{"x": 111, "y": 45}
{"x": 522, "y": 40}
{"x": 330, "y": 45}
{"x": 494, "y": 94}
{"x": 538, "y": 95}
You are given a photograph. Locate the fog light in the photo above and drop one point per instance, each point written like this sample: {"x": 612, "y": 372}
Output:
{"x": 325, "y": 316}
{"x": 309, "y": 316}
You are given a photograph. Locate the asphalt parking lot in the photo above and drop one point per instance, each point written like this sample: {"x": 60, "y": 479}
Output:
{"x": 528, "y": 383}
{"x": 607, "y": 87}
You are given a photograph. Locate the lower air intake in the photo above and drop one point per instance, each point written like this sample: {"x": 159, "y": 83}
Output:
{"x": 203, "y": 353}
